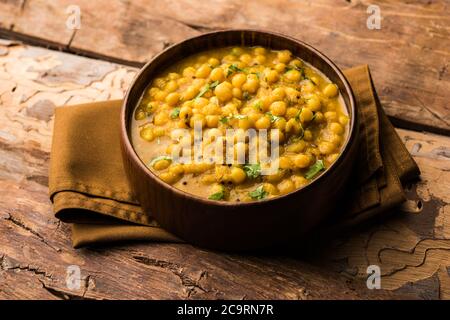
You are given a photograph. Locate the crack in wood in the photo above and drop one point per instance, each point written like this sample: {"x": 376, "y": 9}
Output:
{"x": 21, "y": 225}
{"x": 63, "y": 295}
{"x": 7, "y": 264}
{"x": 176, "y": 269}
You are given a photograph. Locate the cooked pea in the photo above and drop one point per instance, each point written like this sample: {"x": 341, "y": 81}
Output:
{"x": 330, "y": 90}
{"x": 217, "y": 74}
{"x": 262, "y": 123}
{"x": 284, "y": 56}
{"x": 276, "y": 176}
{"x": 270, "y": 188}
{"x": 189, "y": 72}
{"x": 238, "y": 80}
{"x": 161, "y": 95}
{"x": 169, "y": 177}
{"x": 172, "y": 98}
{"x": 278, "y": 94}
{"x": 197, "y": 118}
{"x": 286, "y": 186}
{"x": 343, "y": 120}
{"x": 246, "y": 58}
{"x": 223, "y": 91}
{"x": 278, "y": 108}
{"x": 139, "y": 114}
{"x": 185, "y": 112}
{"x": 238, "y": 175}
{"x": 211, "y": 108}
{"x": 280, "y": 67}
{"x": 212, "y": 121}
{"x": 296, "y": 63}
{"x": 171, "y": 86}
{"x": 200, "y": 102}
{"x": 251, "y": 85}
{"x": 237, "y": 93}
{"x": 259, "y": 50}
{"x": 272, "y": 76}
{"x": 203, "y": 71}
{"x": 291, "y": 112}
{"x": 336, "y": 128}
{"x": 190, "y": 93}
{"x": 293, "y": 126}
{"x": 161, "y": 164}
{"x": 308, "y": 86}
{"x": 326, "y": 147}
{"x": 160, "y": 119}
{"x": 213, "y": 62}
{"x": 260, "y": 59}
{"x": 208, "y": 179}
{"x": 307, "y": 135}
{"x": 331, "y": 116}
{"x": 280, "y": 124}
{"x": 293, "y": 75}
{"x": 306, "y": 115}
{"x": 147, "y": 134}
{"x": 299, "y": 181}
{"x": 313, "y": 103}
{"x": 301, "y": 161}
{"x": 296, "y": 147}
{"x": 285, "y": 162}
{"x": 244, "y": 123}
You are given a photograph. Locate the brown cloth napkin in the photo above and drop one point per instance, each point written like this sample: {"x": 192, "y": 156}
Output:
{"x": 89, "y": 189}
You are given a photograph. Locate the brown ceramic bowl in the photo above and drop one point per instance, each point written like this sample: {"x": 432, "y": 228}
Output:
{"x": 238, "y": 226}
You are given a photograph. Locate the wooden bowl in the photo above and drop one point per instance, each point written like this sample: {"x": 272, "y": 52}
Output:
{"x": 241, "y": 225}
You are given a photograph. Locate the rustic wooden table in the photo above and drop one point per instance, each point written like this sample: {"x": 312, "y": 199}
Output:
{"x": 409, "y": 57}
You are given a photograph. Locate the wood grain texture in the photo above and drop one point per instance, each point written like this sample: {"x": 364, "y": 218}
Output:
{"x": 409, "y": 55}
{"x": 35, "y": 248}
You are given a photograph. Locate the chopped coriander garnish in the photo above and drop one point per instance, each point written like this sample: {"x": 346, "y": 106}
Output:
{"x": 240, "y": 116}
{"x": 258, "y": 194}
{"x": 206, "y": 88}
{"x": 155, "y": 160}
{"x": 300, "y": 69}
{"x": 246, "y": 95}
{"x": 257, "y": 74}
{"x": 214, "y": 84}
{"x": 224, "y": 120}
{"x": 272, "y": 117}
{"x": 258, "y": 106}
{"x": 218, "y": 195}
{"x": 302, "y": 134}
{"x": 232, "y": 69}
{"x": 252, "y": 171}
{"x": 315, "y": 169}
{"x": 175, "y": 113}
{"x": 297, "y": 116}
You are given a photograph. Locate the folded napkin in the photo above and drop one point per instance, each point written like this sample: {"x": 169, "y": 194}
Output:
{"x": 88, "y": 185}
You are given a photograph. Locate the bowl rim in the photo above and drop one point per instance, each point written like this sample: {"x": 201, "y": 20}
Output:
{"x": 131, "y": 152}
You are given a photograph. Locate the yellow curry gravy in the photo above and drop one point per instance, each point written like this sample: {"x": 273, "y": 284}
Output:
{"x": 241, "y": 88}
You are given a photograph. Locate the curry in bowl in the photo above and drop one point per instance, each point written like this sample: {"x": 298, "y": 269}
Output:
{"x": 239, "y": 89}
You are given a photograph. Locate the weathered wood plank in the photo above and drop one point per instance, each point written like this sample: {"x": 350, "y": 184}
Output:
{"x": 409, "y": 55}
{"x": 411, "y": 249}
{"x": 35, "y": 248}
